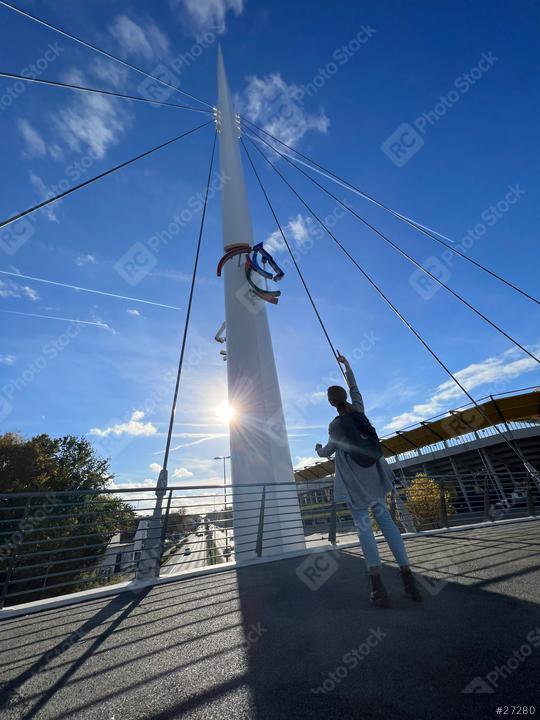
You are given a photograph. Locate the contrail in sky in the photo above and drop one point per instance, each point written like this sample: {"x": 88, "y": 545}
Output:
{"x": 89, "y": 290}
{"x": 54, "y": 317}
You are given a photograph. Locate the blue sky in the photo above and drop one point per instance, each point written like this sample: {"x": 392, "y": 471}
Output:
{"x": 431, "y": 107}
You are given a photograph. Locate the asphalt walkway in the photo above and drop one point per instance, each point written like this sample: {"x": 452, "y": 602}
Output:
{"x": 295, "y": 639}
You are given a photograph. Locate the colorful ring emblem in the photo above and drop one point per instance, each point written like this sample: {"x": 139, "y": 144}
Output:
{"x": 252, "y": 265}
{"x": 231, "y": 252}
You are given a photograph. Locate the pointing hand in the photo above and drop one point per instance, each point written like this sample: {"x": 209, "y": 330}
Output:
{"x": 343, "y": 360}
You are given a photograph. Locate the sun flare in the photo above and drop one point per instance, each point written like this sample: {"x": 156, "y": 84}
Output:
{"x": 225, "y": 412}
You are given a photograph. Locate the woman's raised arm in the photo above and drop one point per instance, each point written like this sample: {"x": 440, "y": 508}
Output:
{"x": 356, "y": 396}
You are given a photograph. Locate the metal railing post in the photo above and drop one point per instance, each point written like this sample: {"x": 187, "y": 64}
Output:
{"x": 393, "y": 509}
{"x": 531, "y": 510}
{"x": 260, "y": 529}
{"x": 164, "y": 530}
{"x": 443, "y": 510}
{"x": 487, "y": 502}
{"x": 148, "y": 565}
{"x": 333, "y": 523}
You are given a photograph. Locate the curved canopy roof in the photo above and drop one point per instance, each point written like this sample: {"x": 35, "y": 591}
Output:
{"x": 495, "y": 410}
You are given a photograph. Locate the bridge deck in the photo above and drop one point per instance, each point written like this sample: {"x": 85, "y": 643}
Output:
{"x": 259, "y": 643}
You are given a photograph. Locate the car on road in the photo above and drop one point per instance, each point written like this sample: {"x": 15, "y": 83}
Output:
{"x": 187, "y": 551}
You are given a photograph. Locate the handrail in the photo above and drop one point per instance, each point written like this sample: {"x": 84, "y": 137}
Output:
{"x": 46, "y": 553}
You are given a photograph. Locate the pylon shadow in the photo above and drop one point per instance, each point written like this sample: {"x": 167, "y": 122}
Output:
{"x": 280, "y": 641}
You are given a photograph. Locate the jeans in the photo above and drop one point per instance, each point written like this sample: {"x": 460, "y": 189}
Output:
{"x": 389, "y": 529}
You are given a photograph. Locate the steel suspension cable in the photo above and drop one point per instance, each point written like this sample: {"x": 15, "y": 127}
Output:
{"x": 91, "y": 180}
{"x": 418, "y": 226}
{"x": 89, "y": 45}
{"x": 396, "y": 247}
{"x": 300, "y": 274}
{"x": 56, "y": 83}
{"x": 515, "y": 449}
{"x": 188, "y": 312}
{"x": 321, "y": 170}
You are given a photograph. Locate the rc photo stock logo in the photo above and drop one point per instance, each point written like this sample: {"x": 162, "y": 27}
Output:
{"x": 249, "y": 299}
{"x": 317, "y": 569}
{"x": 142, "y": 257}
{"x": 350, "y": 661}
{"x": 5, "y": 408}
{"x": 161, "y": 84}
{"x": 135, "y": 264}
{"x": 160, "y": 87}
{"x": 13, "y": 237}
{"x": 441, "y": 569}
{"x": 408, "y": 138}
{"x": 426, "y": 281}
{"x": 425, "y": 285}
{"x": 492, "y": 680}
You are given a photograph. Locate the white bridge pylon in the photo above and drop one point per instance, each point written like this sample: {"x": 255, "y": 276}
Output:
{"x": 259, "y": 445}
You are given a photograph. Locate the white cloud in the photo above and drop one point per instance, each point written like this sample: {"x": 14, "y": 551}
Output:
{"x": 395, "y": 391}
{"x": 148, "y": 42}
{"x": 35, "y": 144}
{"x": 317, "y": 396}
{"x": 182, "y": 473}
{"x": 44, "y": 194}
{"x": 36, "y": 147}
{"x": 88, "y": 122}
{"x": 9, "y": 289}
{"x": 146, "y": 483}
{"x": 500, "y": 369}
{"x": 275, "y": 105}
{"x": 158, "y": 40}
{"x": 155, "y": 467}
{"x": 7, "y": 359}
{"x": 132, "y": 311}
{"x": 200, "y": 16}
{"x": 85, "y": 260}
{"x": 91, "y": 123}
{"x": 203, "y": 466}
{"x": 109, "y": 72}
{"x": 302, "y": 462}
{"x": 56, "y": 151}
{"x": 297, "y": 229}
{"x": 134, "y": 426}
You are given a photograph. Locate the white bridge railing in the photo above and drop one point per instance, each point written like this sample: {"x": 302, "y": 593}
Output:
{"x": 61, "y": 542}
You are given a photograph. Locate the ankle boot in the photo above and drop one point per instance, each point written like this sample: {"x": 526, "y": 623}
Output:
{"x": 409, "y": 585}
{"x": 379, "y": 596}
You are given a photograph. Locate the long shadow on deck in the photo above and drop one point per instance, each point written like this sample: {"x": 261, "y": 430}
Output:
{"x": 326, "y": 653}
{"x": 281, "y": 641}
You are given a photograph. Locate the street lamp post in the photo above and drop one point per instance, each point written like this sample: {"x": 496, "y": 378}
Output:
{"x": 225, "y": 458}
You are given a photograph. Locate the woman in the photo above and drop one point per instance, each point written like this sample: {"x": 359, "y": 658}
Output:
{"x": 365, "y": 488}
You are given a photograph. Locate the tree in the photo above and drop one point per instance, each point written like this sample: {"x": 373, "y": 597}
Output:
{"x": 51, "y": 543}
{"x": 178, "y": 523}
{"x": 423, "y": 500}
{"x": 224, "y": 517}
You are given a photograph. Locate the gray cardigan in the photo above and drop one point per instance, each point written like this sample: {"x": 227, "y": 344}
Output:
{"x": 360, "y": 487}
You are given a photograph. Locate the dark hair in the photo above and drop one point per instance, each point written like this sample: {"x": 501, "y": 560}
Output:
{"x": 337, "y": 397}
